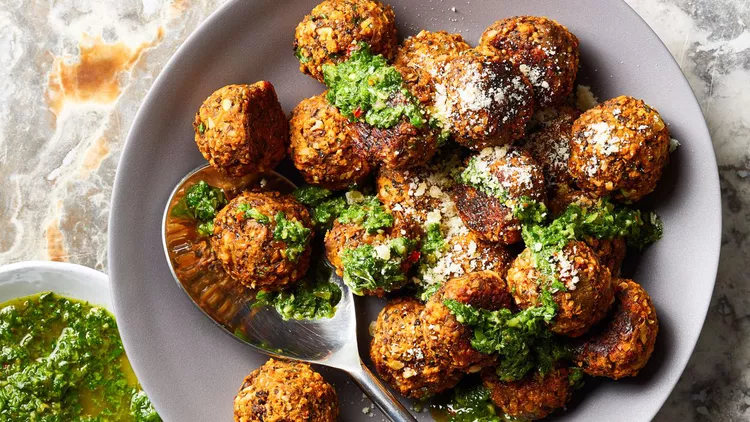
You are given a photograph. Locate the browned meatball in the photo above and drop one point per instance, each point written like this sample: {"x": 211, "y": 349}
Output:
{"x": 611, "y": 252}
{"x": 545, "y": 51}
{"x": 428, "y": 50}
{"x": 510, "y": 175}
{"x": 343, "y": 236}
{"x": 550, "y": 145}
{"x": 619, "y": 148}
{"x": 400, "y": 354}
{"x": 588, "y": 294}
{"x": 483, "y": 102}
{"x": 625, "y": 343}
{"x": 533, "y": 397}
{"x": 263, "y": 239}
{"x": 444, "y": 335}
{"x": 403, "y": 145}
{"x": 281, "y": 391}
{"x": 321, "y": 146}
{"x": 241, "y": 129}
{"x": 334, "y": 28}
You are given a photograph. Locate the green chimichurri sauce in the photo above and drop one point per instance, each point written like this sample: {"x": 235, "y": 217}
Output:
{"x": 471, "y": 403}
{"x": 323, "y": 208}
{"x": 291, "y": 232}
{"x": 201, "y": 202}
{"x": 362, "y": 86}
{"x": 368, "y": 213}
{"x": 367, "y": 268}
{"x": 314, "y": 297}
{"x": 63, "y": 360}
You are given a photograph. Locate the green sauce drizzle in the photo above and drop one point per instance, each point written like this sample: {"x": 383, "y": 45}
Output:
{"x": 63, "y": 360}
{"x": 293, "y": 233}
{"x": 471, "y": 403}
{"x": 365, "y": 269}
{"x": 315, "y": 297}
{"x": 368, "y": 213}
{"x": 362, "y": 86}
{"x": 201, "y": 202}
{"x": 323, "y": 208}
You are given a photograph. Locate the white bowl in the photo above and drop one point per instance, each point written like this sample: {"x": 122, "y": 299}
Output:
{"x": 71, "y": 280}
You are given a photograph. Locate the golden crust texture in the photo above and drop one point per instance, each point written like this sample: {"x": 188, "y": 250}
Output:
{"x": 334, "y": 27}
{"x": 589, "y": 289}
{"x": 624, "y": 344}
{"x": 281, "y": 391}
{"x": 545, "y": 51}
{"x": 444, "y": 335}
{"x": 550, "y": 145}
{"x": 321, "y": 146}
{"x": 242, "y": 129}
{"x": 532, "y": 397}
{"x": 247, "y": 248}
{"x": 401, "y": 356}
{"x": 619, "y": 148}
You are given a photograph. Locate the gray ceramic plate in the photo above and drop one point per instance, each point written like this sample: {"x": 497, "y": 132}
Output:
{"x": 192, "y": 370}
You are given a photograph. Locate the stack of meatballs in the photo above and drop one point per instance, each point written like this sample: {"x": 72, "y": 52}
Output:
{"x": 506, "y": 107}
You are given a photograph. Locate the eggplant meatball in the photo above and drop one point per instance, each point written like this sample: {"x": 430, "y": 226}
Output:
{"x": 393, "y": 247}
{"x": 403, "y": 145}
{"x": 429, "y": 50}
{"x": 444, "y": 335}
{"x": 241, "y": 129}
{"x": 588, "y": 293}
{"x": 550, "y": 145}
{"x": 263, "y": 239}
{"x": 619, "y": 148}
{"x": 533, "y": 397}
{"x": 401, "y": 356}
{"x": 510, "y": 175}
{"x": 321, "y": 147}
{"x": 335, "y": 27}
{"x": 483, "y": 102}
{"x": 625, "y": 343}
{"x": 545, "y": 51}
{"x": 611, "y": 252}
{"x": 285, "y": 391}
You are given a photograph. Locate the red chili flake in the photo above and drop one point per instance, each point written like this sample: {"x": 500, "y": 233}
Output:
{"x": 414, "y": 256}
{"x": 358, "y": 112}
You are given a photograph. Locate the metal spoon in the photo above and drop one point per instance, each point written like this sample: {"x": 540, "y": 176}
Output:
{"x": 330, "y": 342}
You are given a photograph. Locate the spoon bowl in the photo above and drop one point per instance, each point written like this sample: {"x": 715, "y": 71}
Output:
{"x": 331, "y": 342}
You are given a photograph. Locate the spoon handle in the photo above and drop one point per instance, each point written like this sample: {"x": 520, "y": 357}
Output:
{"x": 379, "y": 394}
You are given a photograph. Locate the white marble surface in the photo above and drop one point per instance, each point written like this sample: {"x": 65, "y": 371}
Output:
{"x": 60, "y": 142}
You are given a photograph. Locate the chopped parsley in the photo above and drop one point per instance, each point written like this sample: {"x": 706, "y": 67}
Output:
{"x": 369, "y": 268}
{"x": 368, "y": 213}
{"x": 471, "y": 403}
{"x": 601, "y": 221}
{"x": 433, "y": 241}
{"x": 314, "y": 297}
{"x": 201, "y": 202}
{"x": 521, "y": 340}
{"x": 63, "y": 360}
{"x": 324, "y": 208}
{"x": 250, "y": 212}
{"x": 293, "y": 233}
{"x": 363, "y": 86}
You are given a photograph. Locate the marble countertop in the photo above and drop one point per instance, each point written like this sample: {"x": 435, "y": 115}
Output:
{"x": 75, "y": 71}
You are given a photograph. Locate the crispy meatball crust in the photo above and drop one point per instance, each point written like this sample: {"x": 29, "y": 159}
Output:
{"x": 241, "y": 129}
{"x": 532, "y": 397}
{"x": 403, "y": 145}
{"x": 492, "y": 218}
{"x": 550, "y": 145}
{"x": 482, "y": 101}
{"x": 321, "y": 147}
{"x": 401, "y": 356}
{"x": 281, "y": 391}
{"x": 624, "y": 345}
{"x": 619, "y": 148}
{"x": 344, "y": 236}
{"x": 444, "y": 335}
{"x": 545, "y": 51}
{"x": 247, "y": 248}
{"x": 589, "y": 288}
{"x": 334, "y": 27}
{"x": 429, "y": 50}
